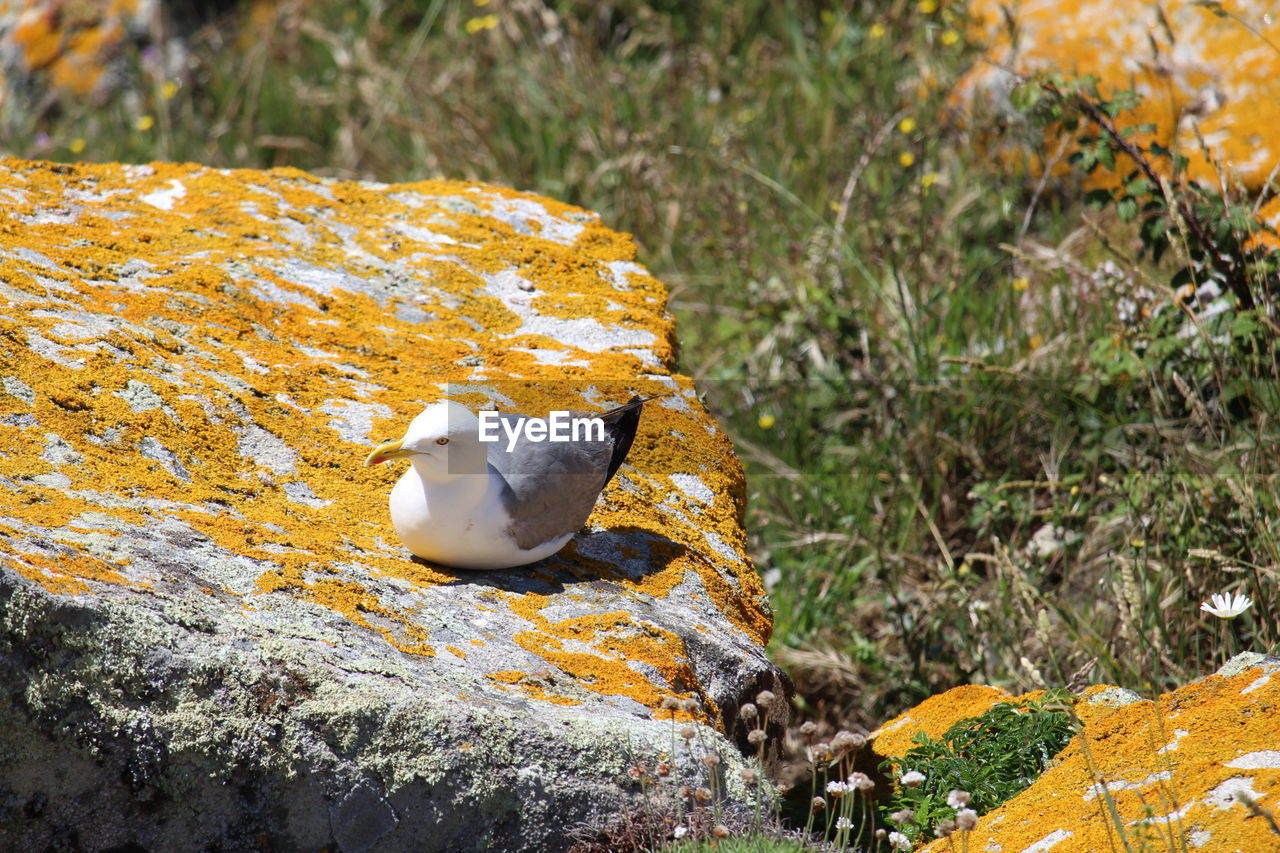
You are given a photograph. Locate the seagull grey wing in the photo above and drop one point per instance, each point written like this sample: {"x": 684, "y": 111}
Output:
{"x": 550, "y": 486}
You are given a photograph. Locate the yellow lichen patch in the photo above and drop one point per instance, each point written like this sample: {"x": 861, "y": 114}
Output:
{"x": 934, "y": 716}
{"x": 214, "y": 353}
{"x": 73, "y": 44}
{"x": 530, "y": 686}
{"x": 596, "y": 650}
{"x": 1202, "y": 76}
{"x": 357, "y": 604}
{"x": 67, "y": 574}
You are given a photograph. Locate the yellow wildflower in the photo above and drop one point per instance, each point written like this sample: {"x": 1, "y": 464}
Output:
{"x": 928, "y": 7}
{"x": 1139, "y": 543}
{"x": 169, "y": 89}
{"x": 876, "y": 31}
{"x": 928, "y": 179}
{"x": 1020, "y": 284}
{"x": 950, "y": 37}
{"x": 906, "y": 159}
{"x": 766, "y": 421}
{"x": 145, "y": 123}
{"x": 77, "y": 145}
{"x": 481, "y": 2}
{"x": 907, "y": 125}
{"x": 475, "y": 25}
{"x": 1035, "y": 342}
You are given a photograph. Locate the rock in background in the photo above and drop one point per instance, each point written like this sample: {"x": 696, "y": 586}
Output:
{"x": 1178, "y": 770}
{"x": 209, "y": 634}
{"x": 1205, "y": 72}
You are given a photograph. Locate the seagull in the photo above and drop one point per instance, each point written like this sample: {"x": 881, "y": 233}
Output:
{"x": 472, "y": 504}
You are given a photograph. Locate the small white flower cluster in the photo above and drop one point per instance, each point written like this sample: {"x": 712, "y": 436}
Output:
{"x": 898, "y": 841}
{"x": 912, "y": 779}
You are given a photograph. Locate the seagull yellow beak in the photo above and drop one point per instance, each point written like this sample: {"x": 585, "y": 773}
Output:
{"x": 390, "y": 450}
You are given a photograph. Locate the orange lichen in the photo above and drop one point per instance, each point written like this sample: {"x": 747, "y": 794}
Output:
{"x": 67, "y": 574}
{"x": 614, "y": 640}
{"x": 1202, "y": 76}
{"x": 178, "y": 368}
{"x": 934, "y": 716}
{"x": 73, "y": 43}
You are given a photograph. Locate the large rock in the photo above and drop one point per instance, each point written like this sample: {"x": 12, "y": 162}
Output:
{"x": 1210, "y": 82}
{"x": 209, "y": 635}
{"x": 1179, "y": 771}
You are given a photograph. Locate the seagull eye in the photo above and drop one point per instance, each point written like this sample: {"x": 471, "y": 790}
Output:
{"x": 442, "y": 441}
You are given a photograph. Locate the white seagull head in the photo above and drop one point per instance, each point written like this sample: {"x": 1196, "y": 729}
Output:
{"x": 443, "y": 443}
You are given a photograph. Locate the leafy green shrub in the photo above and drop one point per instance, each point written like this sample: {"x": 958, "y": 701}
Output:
{"x": 994, "y": 757}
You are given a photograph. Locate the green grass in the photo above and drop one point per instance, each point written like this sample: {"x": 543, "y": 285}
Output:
{"x": 951, "y": 473}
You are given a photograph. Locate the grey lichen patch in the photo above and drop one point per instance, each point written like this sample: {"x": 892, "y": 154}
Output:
{"x": 58, "y": 451}
{"x": 140, "y": 396}
{"x": 17, "y": 388}
{"x": 1248, "y": 660}
{"x": 1114, "y": 697}
{"x": 151, "y": 448}
{"x": 267, "y": 450}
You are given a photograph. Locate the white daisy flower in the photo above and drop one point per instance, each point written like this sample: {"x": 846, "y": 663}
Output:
{"x": 1226, "y": 606}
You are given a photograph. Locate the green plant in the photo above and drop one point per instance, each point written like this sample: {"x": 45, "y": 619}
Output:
{"x": 992, "y": 757}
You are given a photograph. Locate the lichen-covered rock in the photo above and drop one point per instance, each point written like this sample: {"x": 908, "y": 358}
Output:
{"x": 1179, "y": 771}
{"x": 48, "y": 48}
{"x": 209, "y": 634}
{"x": 1201, "y": 75}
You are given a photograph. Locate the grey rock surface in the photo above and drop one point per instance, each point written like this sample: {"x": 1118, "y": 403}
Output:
{"x": 210, "y": 638}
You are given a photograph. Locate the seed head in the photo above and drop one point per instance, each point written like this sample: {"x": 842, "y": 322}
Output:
{"x": 882, "y": 834}
{"x": 720, "y": 831}
{"x": 711, "y": 759}
{"x": 861, "y": 781}
{"x": 957, "y": 799}
{"x": 765, "y": 698}
{"x": 747, "y": 711}
{"x": 702, "y": 795}
{"x": 966, "y": 819}
{"x": 685, "y": 792}
{"x": 912, "y": 779}
{"x": 944, "y": 828}
{"x": 809, "y": 729}
{"x": 670, "y": 703}
{"x": 845, "y": 741}
{"x": 663, "y": 769}
{"x": 818, "y": 804}
{"x": 635, "y": 772}
{"x": 755, "y": 737}
{"x": 749, "y": 775}
{"x": 903, "y": 816}
{"x": 687, "y": 732}
{"x": 689, "y": 705}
